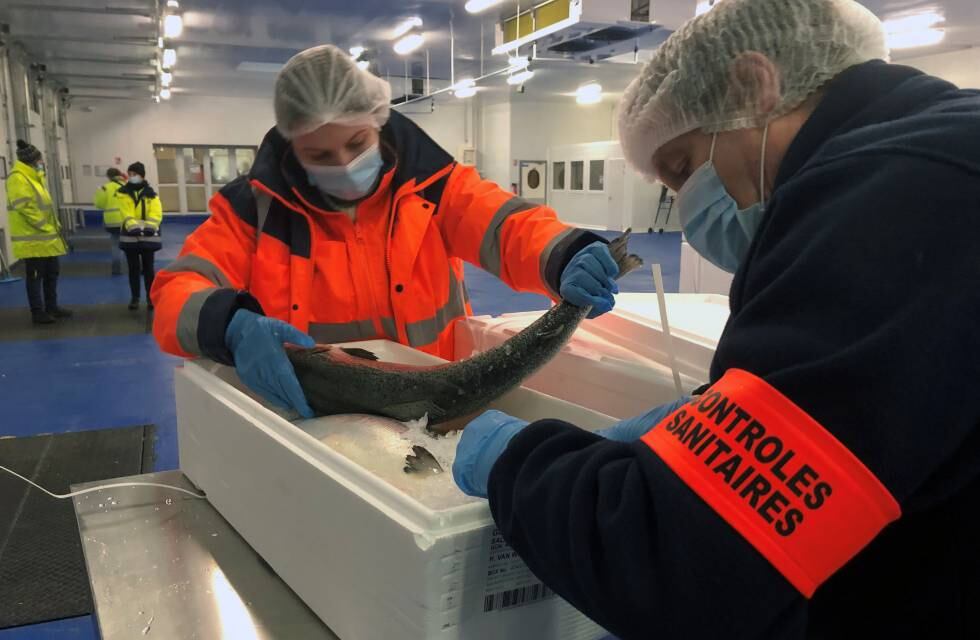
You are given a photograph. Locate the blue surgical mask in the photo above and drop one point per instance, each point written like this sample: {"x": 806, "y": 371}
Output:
{"x": 135, "y": 180}
{"x": 712, "y": 222}
{"x": 349, "y": 183}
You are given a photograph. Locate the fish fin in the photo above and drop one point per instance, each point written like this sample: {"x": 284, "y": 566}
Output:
{"x": 415, "y": 410}
{"x": 620, "y": 252}
{"x": 364, "y": 354}
{"x": 421, "y": 460}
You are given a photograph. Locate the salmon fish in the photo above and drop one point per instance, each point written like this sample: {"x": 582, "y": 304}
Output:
{"x": 340, "y": 380}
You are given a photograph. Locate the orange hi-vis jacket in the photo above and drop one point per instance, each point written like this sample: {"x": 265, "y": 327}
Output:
{"x": 272, "y": 245}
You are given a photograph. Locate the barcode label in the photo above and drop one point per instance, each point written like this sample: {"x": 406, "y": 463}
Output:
{"x": 516, "y": 597}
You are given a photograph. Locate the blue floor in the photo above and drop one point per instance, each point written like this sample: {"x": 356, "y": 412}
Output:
{"x": 59, "y": 385}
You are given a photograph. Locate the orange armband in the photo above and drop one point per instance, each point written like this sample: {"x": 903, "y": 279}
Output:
{"x": 773, "y": 473}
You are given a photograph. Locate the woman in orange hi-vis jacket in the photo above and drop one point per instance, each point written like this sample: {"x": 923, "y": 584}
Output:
{"x": 353, "y": 225}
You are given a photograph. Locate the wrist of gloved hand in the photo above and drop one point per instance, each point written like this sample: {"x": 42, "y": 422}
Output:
{"x": 635, "y": 428}
{"x": 589, "y": 280}
{"x": 256, "y": 343}
{"x": 482, "y": 442}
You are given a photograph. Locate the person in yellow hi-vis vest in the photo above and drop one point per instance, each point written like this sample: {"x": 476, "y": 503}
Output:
{"x": 36, "y": 233}
{"x": 105, "y": 199}
{"x": 141, "y": 213}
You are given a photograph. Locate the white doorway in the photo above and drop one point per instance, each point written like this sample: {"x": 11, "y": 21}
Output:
{"x": 618, "y": 217}
{"x": 534, "y": 181}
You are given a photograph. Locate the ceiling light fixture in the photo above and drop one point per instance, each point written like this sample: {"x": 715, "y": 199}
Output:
{"x": 357, "y": 52}
{"x": 405, "y": 27}
{"x": 914, "y": 30}
{"x": 409, "y": 43}
{"x": 476, "y": 6}
{"x": 363, "y": 65}
{"x": 169, "y": 58}
{"x": 520, "y": 78}
{"x": 173, "y": 4}
{"x": 589, "y": 93}
{"x": 166, "y": 79}
{"x": 173, "y": 26}
{"x": 165, "y": 94}
{"x": 465, "y": 88}
{"x": 518, "y": 62}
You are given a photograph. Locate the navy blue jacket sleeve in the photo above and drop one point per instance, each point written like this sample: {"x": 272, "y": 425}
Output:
{"x": 859, "y": 302}
{"x": 616, "y": 533}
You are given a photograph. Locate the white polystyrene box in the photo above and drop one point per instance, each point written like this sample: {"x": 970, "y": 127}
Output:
{"x": 617, "y": 364}
{"x": 700, "y": 276}
{"x": 372, "y": 562}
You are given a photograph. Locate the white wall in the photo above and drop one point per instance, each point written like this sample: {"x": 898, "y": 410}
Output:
{"x": 962, "y": 68}
{"x": 450, "y": 124}
{"x": 628, "y": 202}
{"x": 128, "y": 129}
{"x": 493, "y": 153}
{"x": 537, "y": 126}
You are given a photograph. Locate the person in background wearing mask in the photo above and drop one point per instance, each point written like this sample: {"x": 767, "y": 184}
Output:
{"x": 105, "y": 199}
{"x": 35, "y": 232}
{"x": 141, "y": 214}
{"x": 354, "y": 225}
{"x": 826, "y": 483}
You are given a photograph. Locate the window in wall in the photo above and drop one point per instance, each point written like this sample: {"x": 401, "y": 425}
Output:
{"x": 244, "y": 159}
{"x": 558, "y": 171}
{"x": 221, "y": 166}
{"x": 597, "y": 175}
{"x": 189, "y": 176}
{"x": 578, "y": 175}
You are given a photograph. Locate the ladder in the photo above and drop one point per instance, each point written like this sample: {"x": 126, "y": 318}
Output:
{"x": 664, "y": 207}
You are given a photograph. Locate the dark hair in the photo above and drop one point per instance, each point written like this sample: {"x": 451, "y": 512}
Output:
{"x": 113, "y": 173}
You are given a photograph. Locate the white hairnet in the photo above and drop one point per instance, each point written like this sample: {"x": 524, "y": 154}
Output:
{"x": 323, "y": 85}
{"x": 689, "y": 83}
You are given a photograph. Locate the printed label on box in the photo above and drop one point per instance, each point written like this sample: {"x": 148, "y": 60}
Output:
{"x": 510, "y": 583}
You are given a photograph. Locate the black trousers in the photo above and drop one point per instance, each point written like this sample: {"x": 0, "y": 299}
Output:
{"x": 139, "y": 261}
{"x": 42, "y": 274}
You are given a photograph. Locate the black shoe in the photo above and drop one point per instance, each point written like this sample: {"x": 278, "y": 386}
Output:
{"x": 41, "y": 318}
{"x": 134, "y": 304}
{"x": 61, "y": 312}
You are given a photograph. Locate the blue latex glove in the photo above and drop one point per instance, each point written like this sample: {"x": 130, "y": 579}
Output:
{"x": 260, "y": 359}
{"x": 589, "y": 279}
{"x": 482, "y": 442}
{"x": 635, "y": 428}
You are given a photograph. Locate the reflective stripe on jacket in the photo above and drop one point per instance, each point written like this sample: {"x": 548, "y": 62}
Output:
{"x": 105, "y": 199}
{"x": 34, "y": 227}
{"x": 272, "y": 245}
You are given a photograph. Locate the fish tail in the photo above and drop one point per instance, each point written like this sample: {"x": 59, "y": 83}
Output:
{"x": 619, "y": 248}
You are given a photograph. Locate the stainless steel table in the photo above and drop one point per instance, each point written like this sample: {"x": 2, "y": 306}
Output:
{"x": 165, "y": 565}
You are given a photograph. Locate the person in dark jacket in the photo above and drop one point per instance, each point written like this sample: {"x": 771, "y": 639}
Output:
{"x": 826, "y": 483}
{"x": 141, "y": 214}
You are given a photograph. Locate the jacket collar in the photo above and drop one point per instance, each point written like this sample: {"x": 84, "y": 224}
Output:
{"x": 412, "y": 156}
{"x": 27, "y": 170}
{"x": 859, "y": 96}
{"x": 143, "y": 190}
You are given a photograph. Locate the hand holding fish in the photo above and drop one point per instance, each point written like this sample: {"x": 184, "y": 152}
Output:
{"x": 589, "y": 280}
{"x": 256, "y": 343}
